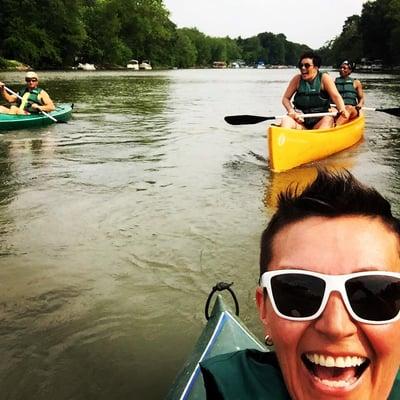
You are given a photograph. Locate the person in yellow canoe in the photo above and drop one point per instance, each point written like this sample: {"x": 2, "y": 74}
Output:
{"x": 351, "y": 90}
{"x": 328, "y": 299}
{"x": 313, "y": 91}
{"x": 31, "y": 99}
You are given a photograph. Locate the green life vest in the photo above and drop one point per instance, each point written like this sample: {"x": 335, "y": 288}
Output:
{"x": 345, "y": 86}
{"x": 28, "y": 98}
{"x": 309, "y": 97}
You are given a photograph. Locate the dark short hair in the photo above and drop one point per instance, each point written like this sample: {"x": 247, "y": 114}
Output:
{"x": 331, "y": 194}
{"x": 314, "y": 56}
{"x": 348, "y": 63}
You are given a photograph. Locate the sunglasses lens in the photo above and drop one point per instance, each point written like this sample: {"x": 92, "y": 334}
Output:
{"x": 297, "y": 295}
{"x": 374, "y": 298}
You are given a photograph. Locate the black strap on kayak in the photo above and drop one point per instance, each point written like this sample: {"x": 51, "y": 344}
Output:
{"x": 219, "y": 287}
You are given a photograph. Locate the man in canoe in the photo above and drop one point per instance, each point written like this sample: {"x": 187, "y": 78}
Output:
{"x": 313, "y": 91}
{"x": 31, "y": 99}
{"x": 328, "y": 299}
{"x": 351, "y": 91}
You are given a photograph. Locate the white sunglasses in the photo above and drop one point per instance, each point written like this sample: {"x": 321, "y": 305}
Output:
{"x": 371, "y": 297}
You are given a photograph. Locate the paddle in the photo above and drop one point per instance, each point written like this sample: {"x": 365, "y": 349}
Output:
{"x": 255, "y": 119}
{"x": 41, "y": 111}
{"x": 392, "y": 111}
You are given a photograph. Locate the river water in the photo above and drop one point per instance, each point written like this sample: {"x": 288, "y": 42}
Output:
{"x": 115, "y": 226}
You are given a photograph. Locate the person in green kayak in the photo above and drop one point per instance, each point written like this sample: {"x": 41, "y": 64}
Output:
{"x": 351, "y": 91}
{"x": 312, "y": 92}
{"x": 31, "y": 99}
{"x": 328, "y": 298}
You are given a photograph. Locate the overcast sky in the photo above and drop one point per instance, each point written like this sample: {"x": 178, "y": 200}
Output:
{"x": 310, "y": 22}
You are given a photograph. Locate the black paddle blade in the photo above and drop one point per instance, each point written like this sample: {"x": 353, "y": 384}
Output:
{"x": 391, "y": 111}
{"x": 245, "y": 119}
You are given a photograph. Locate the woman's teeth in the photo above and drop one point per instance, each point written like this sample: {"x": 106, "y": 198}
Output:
{"x": 335, "y": 372}
{"x": 338, "y": 384}
{"x": 339, "y": 362}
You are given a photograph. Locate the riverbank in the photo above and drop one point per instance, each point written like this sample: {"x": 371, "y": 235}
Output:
{"x": 13, "y": 65}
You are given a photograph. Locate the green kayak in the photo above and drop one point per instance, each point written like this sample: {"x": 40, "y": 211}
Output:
{"x": 62, "y": 113}
{"x": 223, "y": 333}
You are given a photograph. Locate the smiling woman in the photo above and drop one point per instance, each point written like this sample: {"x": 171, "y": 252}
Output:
{"x": 329, "y": 300}
{"x": 311, "y": 91}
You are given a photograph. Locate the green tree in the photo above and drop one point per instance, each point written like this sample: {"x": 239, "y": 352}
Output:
{"x": 251, "y": 49}
{"x": 202, "y": 44}
{"x": 185, "y": 50}
{"x": 394, "y": 37}
{"x": 218, "y": 49}
{"x": 233, "y": 51}
{"x": 373, "y": 35}
{"x": 293, "y": 52}
{"x": 275, "y": 45}
{"x": 146, "y": 29}
{"x": 379, "y": 27}
{"x": 103, "y": 43}
{"x": 46, "y": 34}
{"x": 349, "y": 44}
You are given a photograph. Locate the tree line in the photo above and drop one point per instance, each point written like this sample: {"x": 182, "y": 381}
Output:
{"x": 375, "y": 35}
{"x": 61, "y": 33}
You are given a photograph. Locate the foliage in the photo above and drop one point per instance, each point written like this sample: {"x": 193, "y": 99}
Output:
{"x": 202, "y": 44}
{"x": 348, "y": 46}
{"x": 186, "y": 52}
{"x": 41, "y": 32}
{"x": 375, "y": 35}
{"x": 252, "y": 50}
{"x": 3, "y": 63}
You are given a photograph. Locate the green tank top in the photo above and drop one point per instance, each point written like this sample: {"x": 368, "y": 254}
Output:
{"x": 244, "y": 375}
{"x": 345, "y": 87}
{"x": 251, "y": 375}
{"x": 309, "y": 97}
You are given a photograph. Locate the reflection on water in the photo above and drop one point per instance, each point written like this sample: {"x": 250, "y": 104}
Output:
{"x": 115, "y": 226}
{"x": 298, "y": 178}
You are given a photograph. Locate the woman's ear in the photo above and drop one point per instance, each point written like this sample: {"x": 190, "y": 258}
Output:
{"x": 260, "y": 298}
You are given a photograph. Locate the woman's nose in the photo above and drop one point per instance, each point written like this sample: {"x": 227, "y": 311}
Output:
{"x": 335, "y": 322}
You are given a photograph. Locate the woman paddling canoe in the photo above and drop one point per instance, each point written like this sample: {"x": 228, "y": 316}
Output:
{"x": 313, "y": 91}
{"x": 351, "y": 91}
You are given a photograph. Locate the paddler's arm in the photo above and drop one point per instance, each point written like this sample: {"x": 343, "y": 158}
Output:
{"x": 48, "y": 104}
{"x": 360, "y": 93}
{"x": 287, "y": 96}
{"x": 329, "y": 86}
{"x": 9, "y": 98}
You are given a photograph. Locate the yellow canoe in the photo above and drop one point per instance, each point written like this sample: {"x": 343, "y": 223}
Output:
{"x": 289, "y": 148}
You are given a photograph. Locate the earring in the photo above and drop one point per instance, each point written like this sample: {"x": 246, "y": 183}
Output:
{"x": 268, "y": 340}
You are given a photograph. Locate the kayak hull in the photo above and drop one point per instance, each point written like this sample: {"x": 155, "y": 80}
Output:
{"x": 223, "y": 333}
{"x": 289, "y": 148}
{"x": 62, "y": 113}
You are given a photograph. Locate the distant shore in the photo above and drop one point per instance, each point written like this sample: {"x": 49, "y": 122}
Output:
{"x": 17, "y": 66}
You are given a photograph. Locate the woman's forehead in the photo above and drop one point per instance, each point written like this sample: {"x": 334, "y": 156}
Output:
{"x": 336, "y": 245}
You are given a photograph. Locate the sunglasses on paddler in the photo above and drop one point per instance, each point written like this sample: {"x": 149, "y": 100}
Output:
{"x": 30, "y": 80}
{"x": 371, "y": 297}
{"x": 306, "y": 65}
